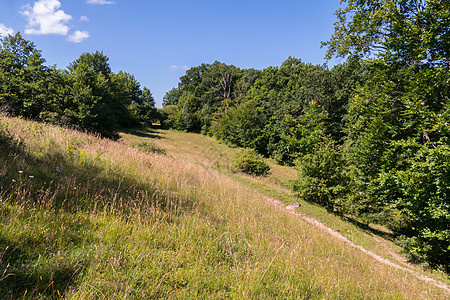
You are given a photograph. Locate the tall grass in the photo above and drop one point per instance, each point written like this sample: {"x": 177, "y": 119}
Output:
{"x": 84, "y": 218}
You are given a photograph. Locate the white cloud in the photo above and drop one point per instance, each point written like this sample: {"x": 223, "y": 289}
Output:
{"x": 84, "y": 19}
{"x": 101, "y": 2}
{"x": 4, "y": 31}
{"x": 176, "y": 68}
{"x": 78, "y": 36}
{"x": 45, "y": 17}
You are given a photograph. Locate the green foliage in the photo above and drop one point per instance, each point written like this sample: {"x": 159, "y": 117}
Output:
{"x": 147, "y": 112}
{"x": 21, "y": 76}
{"x": 171, "y": 117}
{"x": 204, "y": 92}
{"x": 397, "y": 124}
{"x": 243, "y": 126}
{"x": 303, "y": 133}
{"x": 399, "y": 31}
{"x": 171, "y": 97}
{"x": 321, "y": 175}
{"x": 279, "y": 112}
{"x": 421, "y": 194}
{"x": 88, "y": 96}
{"x": 93, "y": 107}
{"x": 250, "y": 162}
{"x": 149, "y": 147}
{"x": 398, "y": 138}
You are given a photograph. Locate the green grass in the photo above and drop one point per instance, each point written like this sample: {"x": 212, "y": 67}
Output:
{"x": 89, "y": 218}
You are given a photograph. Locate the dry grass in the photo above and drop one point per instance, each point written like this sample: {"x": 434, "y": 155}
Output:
{"x": 138, "y": 225}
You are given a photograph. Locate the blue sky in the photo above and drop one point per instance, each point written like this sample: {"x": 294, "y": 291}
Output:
{"x": 157, "y": 40}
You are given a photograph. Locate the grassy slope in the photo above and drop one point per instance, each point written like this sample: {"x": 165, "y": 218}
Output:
{"x": 208, "y": 152}
{"x": 89, "y": 218}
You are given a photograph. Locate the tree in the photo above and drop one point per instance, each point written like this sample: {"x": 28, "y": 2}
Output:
{"x": 244, "y": 126}
{"x": 321, "y": 176}
{"x": 397, "y": 125}
{"x": 147, "y": 109}
{"x": 97, "y": 62}
{"x": 303, "y": 133}
{"x": 409, "y": 32}
{"x": 216, "y": 99}
{"x": 126, "y": 98}
{"x": 87, "y": 96}
{"x": 93, "y": 106}
{"x": 172, "y": 97}
{"x": 21, "y": 75}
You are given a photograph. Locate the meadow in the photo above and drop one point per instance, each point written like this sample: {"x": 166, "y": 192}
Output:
{"x": 88, "y": 218}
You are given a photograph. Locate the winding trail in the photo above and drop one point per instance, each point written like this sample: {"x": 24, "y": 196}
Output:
{"x": 377, "y": 257}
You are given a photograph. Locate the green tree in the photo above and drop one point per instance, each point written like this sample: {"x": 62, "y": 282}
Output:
{"x": 147, "y": 109}
{"x": 172, "y": 97}
{"x": 203, "y": 93}
{"x": 125, "y": 92}
{"x": 21, "y": 75}
{"x": 397, "y": 125}
{"x": 321, "y": 175}
{"x": 303, "y": 133}
{"x": 243, "y": 126}
{"x": 93, "y": 107}
{"x": 410, "y": 32}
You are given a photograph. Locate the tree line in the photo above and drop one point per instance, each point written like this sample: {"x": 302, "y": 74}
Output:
{"x": 86, "y": 96}
{"x": 370, "y": 137}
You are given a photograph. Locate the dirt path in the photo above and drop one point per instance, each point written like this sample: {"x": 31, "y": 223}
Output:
{"x": 383, "y": 260}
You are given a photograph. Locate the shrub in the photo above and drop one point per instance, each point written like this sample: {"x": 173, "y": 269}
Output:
{"x": 250, "y": 162}
{"x": 321, "y": 177}
{"x": 149, "y": 147}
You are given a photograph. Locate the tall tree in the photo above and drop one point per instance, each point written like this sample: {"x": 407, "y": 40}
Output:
{"x": 398, "y": 133}
{"x": 147, "y": 109}
{"x": 410, "y": 32}
{"x": 126, "y": 96}
{"x": 93, "y": 107}
{"x": 21, "y": 75}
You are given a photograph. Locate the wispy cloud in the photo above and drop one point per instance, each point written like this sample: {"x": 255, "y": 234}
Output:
{"x": 176, "y": 67}
{"x": 101, "y": 2}
{"x": 4, "y": 31}
{"x": 84, "y": 19}
{"x": 45, "y": 17}
{"x": 78, "y": 36}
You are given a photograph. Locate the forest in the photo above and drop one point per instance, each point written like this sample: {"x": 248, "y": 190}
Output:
{"x": 370, "y": 137}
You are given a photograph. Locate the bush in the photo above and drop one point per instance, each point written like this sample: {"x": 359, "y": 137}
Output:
{"x": 321, "y": 177}
{"x": 250, "y": 162}
{"x": 149, "y": 147}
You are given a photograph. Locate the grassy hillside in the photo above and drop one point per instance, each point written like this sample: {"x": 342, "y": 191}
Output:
{"x": 83, "y": 218}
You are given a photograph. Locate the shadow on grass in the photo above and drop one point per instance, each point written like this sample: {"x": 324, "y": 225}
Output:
{"x": 22, "y": 277}
{"x": 56, "y": 182}
{"x": 143, "y": 132}
{"x": 361, "y": 225}
{"x": 368, "y": 229}
{"x": 70, "y": 184}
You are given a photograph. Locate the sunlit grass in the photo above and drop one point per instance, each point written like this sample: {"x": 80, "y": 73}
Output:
{"x": 105, "y": 220}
